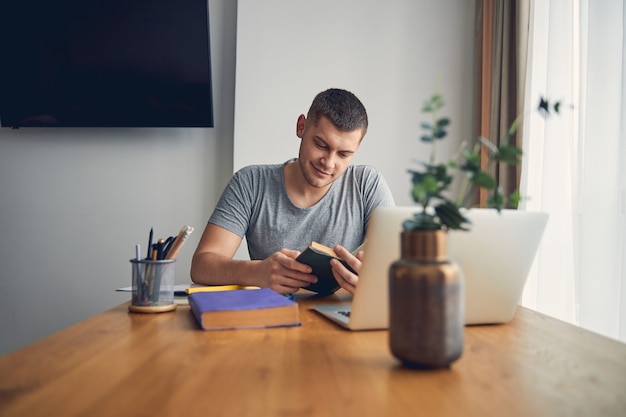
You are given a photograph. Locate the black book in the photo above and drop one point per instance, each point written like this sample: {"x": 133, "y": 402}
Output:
{"x": 318, "y": 256}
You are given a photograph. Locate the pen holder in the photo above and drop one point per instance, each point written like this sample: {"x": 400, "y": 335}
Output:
{"x": 153, "y": 286}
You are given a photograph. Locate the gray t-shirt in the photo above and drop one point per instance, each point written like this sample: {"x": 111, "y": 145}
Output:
{"x": 255, "y": 204}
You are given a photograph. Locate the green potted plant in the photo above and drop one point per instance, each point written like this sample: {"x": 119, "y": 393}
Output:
{"x": 434, "y": 180}
{"x": 424, "y": 282}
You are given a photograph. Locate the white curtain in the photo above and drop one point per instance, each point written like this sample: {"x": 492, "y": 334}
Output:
{"x": 574, "y": 166}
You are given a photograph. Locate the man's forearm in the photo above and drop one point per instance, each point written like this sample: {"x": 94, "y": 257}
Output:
{"x": 213, "y": 269}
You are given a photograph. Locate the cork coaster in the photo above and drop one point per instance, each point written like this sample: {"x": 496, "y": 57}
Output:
{"x": 152, "y": 309}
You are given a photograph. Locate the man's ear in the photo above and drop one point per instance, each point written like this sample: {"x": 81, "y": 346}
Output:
{"x": 300, "y": 126}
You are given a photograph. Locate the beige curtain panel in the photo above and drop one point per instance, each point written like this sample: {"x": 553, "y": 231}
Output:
{"x": 501, "y": 43}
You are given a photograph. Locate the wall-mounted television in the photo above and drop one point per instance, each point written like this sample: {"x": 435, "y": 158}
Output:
{"x": 105, "y": 63}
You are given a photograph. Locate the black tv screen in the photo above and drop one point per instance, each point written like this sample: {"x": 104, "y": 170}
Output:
{"x": 105, "y": 63}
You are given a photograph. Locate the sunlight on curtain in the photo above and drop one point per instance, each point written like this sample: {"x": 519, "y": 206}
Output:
{"x": 574, "y": 162}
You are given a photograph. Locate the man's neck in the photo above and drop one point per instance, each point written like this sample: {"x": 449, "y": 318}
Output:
{"x": 300, "y": 192}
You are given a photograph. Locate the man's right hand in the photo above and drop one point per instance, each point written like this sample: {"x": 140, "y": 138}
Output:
{"x": 282, "y": 273}
{"x": 213, "y": 264}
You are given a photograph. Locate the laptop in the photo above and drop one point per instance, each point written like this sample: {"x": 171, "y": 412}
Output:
{"x": 495, "y": 257}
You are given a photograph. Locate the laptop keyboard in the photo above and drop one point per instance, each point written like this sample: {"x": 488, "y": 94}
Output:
{"x": 344, "y": 312}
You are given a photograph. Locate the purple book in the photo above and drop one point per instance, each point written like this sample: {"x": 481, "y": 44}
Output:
{"x": 243, "y": 309}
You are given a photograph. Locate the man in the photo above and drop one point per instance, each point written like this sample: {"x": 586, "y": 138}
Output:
{"x": 282, "y": 208}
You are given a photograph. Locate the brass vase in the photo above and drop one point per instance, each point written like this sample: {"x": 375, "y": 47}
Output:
{"x": 426, "y": 302}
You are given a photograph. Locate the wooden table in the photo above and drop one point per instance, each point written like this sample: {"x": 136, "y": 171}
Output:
{"x": 121, "y": 364}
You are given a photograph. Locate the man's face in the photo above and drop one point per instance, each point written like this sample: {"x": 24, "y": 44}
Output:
{"x": 325, "y": 151}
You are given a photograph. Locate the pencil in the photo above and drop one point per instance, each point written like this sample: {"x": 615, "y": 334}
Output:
{"x": 178, "y": 242}
{"x": 214, "y": 288}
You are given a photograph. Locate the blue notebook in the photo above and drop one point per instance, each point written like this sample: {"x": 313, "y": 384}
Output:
{"x": 243, "y": 309}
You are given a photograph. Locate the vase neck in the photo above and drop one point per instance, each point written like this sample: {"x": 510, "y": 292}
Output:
{"x": 425, "y": 244}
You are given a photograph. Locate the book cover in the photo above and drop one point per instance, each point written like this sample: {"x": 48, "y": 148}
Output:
{"x": 243, "y": 309}
{"x": 318, "y": 257}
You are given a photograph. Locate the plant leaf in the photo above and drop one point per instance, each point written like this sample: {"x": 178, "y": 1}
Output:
{"x": 508, "y": 154}
{"x": 472, "y": 161}
{"x": 421, "y": 221}
{"x": 514, "y": 125}
{"x": 484, "y": 180}
{"x": 444, "y": 121}
{"x": 433, "y": 104}
{"x": 496, "y": 200}
{"x": 439, "y": 133}
{"x": 544, "y": 106}
{"x": 514, "y": 199}
{"x": 440, "y": 172}
{"x": 419, "y": 194}
{"x": 450, "y": 216}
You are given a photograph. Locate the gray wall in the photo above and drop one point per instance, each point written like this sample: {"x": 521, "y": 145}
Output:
{"x": 74, "y": 202}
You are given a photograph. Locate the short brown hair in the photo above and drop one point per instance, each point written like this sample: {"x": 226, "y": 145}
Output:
{"x": 344, "y": 110}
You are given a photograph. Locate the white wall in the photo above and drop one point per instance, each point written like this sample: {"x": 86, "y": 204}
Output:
{"x": 73, "y": 202}
{"x": 392, "y": 54}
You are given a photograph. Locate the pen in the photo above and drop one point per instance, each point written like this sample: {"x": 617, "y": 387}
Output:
{"x": 159, "y": 247}
{"x": 150, "y": 242}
